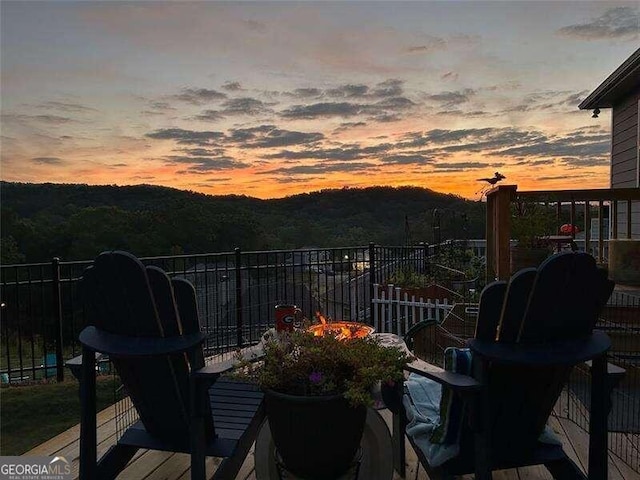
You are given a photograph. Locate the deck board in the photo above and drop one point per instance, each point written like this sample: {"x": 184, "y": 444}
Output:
{"x": 155, "y": 465}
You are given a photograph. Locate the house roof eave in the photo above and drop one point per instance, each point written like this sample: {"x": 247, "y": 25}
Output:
{"x": 622, "y": 80}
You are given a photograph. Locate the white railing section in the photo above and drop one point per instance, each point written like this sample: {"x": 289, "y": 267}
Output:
{"x": 395, "y": 312}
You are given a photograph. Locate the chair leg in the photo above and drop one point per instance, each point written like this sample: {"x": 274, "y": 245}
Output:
{"x": 88, "y": 426}
{"x": 482, "y": 457}
{"x": 198, "y": 437}
{"x": 564, "y": 469}
{"x": 114, "y": 461}
{"x": 598, "y": 418}
{"x": 399, "y": 455}
{"x": 230, "y": 466}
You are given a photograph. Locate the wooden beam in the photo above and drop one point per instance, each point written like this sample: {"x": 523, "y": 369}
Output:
{"x": 595, "y": 194}
{"x": 499, "y": 232}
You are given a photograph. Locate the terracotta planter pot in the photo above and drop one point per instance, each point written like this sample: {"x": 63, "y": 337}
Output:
{"x": 316, "y": 437}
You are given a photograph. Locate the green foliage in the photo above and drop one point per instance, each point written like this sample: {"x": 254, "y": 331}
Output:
{"x": 77, "y": 222}
{"x": 457, "y": 257}
{"x": 407, "y": 277}
{"x": 531, "y": 220}
{"x": 299, "y": 363}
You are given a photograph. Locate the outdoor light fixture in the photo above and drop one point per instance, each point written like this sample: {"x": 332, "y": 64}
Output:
{"x": 596, "y": 112}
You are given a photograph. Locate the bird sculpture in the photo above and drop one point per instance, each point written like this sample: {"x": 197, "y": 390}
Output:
{"x": 497, "y": 176}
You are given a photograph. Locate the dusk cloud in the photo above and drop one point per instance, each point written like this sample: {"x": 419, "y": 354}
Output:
{"x": 210, "y": 115}
{"x": 198, "y": 96}
{"x": 309, "y": 92}
{"x": 345, "y": 153}
{"x": 48, "y": 119}
{"x": 344, "y": 126}
{"x": 348, "y": 91}
{"x": 268, "y": 136}
{"x": 379, "y": 108}
{"x": 205, "y": 164}
{"x": 393, "y": 103}
{"x": 615, "y": 23}
{"x": 562, "y": 147}
{"x": 48, "y": 161}
{"x": 232, "y": 86}
{"x": 323, "y": 168}
{"x": 429, "y": 45}
{"x": 67, "y": 107}
{"x": 407, "y": 159}
{"x": 450, "y": 99}
{"x": 203, "y": 152}
{"x": 188, "y": 137}
{"x": 549, "y": 100}
{"x": 388, "y": 88}
{"x": 244, "y": 106}
{"x": 323, "y": 109}
{"x": 158, "y": 108}
{"x": 460, "y": 166}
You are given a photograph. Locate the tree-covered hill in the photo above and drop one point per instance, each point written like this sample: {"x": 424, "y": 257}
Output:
{"x": 79, "y": 221}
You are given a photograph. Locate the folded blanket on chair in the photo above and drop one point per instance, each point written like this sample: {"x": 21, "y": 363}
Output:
{"x": 433, "y": 422}
{"x": 422, "y": 405}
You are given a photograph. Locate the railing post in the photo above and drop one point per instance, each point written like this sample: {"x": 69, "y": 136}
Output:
{"x": 372, "y": 277}
{"x": 499, "y": 232}
{"x": 57, "y": 314}
{"x": 239, "y": 323}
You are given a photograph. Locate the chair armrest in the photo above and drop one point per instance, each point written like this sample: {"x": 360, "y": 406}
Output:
{"x": 75, "y": 366}
{"x": 566, "y": 352}
{"x": 455, "y": 381}
{"x": 216, "y": 369}
{"x": 126, "y": 346}
{"x": 614, "y": 371}
{"x": 613, "y": 377}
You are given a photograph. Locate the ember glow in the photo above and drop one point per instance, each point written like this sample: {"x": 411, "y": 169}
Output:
{"x": 341, "y": 330}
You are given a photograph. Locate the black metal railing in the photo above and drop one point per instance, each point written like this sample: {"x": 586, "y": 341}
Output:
{"x": 42, "y": 313}
{"x": 621, "y": 321}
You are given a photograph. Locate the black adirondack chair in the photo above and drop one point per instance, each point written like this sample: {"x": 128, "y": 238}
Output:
{"x": 530, "y": 333}
{"x": 148, "y": 325}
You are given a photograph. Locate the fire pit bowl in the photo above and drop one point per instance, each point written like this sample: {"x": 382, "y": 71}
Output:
{"x": 341, "y": 330}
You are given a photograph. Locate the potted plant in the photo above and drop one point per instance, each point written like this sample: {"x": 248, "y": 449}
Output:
{"x": 317, "y": 389}
{"x": 530, "y": 223}
{"x": 407, "y": 278}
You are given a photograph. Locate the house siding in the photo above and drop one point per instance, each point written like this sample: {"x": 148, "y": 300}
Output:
{"x": 624, "y": 159}
{"x": 624, "y": 142}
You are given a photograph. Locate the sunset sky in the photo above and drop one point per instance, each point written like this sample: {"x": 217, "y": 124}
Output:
{"x": 274, "y": 98}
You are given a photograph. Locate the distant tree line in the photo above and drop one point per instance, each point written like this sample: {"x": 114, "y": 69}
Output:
{"x": 76, "y": 222}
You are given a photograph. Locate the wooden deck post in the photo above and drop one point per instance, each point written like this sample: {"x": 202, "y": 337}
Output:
{"x": 88, "y": 423}
{"x": 499, "y": 232}
{"x": 57, "y": 312}
{"x": 598, "y": 420}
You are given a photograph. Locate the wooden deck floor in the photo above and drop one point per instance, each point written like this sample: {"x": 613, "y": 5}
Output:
{"x": 154, "y": 465}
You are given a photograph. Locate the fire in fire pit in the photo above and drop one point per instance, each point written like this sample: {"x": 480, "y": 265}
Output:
{"x": 341, "y": 330}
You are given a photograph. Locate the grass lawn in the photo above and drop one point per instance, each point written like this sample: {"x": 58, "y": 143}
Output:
{"x": 32, "y": 414}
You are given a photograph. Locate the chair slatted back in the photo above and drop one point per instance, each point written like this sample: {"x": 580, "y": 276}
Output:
{"x": 124, "y": 297}
{"x": 560, "y": 300}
